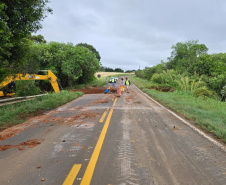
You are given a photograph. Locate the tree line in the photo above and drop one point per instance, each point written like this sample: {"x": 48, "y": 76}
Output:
{"x": 190, "y": 59}
{"x": 108, "y": 69}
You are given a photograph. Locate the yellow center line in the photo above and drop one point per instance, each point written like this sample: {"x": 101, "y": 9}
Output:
{"x": 92, "y": 163}
{"x": 103, "y": 116}
{"x": 114, "y": 102}
{"x": 72, "y": 175}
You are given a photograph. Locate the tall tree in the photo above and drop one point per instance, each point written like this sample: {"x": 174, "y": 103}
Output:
{"x": 108, "y": 69}
{"x": 37, "y": 39}
{"x": 119, "y": 70}
{"x": 5, "y": 34}
{"x": 184, "y": 55}
{"x": 90, "y": 48}
{"x": 19, "y": 18}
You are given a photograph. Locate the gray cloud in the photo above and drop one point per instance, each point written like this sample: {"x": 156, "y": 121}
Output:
{"x": 133, "y": 33}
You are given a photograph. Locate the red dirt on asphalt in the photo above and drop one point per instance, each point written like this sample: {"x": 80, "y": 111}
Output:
{"x": 96, "y": 90}
{"x": 21, "y": 146}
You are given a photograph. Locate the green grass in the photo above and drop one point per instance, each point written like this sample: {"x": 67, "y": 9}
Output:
{"x": 125, "y": 75}
{"x": 98, "y": 81}
{"x": 208, "y": 114}
{"x": 17, "y": 113}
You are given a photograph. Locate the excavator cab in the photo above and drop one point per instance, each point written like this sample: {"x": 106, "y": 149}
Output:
{"x": 9, "y": 89}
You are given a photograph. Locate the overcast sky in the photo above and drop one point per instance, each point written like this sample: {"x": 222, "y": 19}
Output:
{"x": 136, "y": 33}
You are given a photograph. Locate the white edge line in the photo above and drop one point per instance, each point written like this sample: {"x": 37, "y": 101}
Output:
{"x": 187, "y": 123}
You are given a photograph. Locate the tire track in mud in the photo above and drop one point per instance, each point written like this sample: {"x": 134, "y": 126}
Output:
{"x": 131, "y": 161}
{"x": 125, "y": 156}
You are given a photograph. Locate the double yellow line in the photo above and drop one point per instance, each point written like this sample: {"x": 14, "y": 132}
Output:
{"x": 92, "y": 163}
{"x": 72, "y": 175}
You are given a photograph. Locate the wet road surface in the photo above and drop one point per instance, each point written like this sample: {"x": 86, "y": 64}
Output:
{"x": 103, "y": 139}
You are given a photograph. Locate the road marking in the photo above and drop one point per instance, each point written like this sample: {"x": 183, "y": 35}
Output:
{"x": 114, "y": 102}
{"x": 92, "y": 163}
{"x": 103, "y": 116}
{"x": 72, "y": 175}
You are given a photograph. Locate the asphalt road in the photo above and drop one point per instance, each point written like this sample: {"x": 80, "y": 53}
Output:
{"x": 101, "y": 139}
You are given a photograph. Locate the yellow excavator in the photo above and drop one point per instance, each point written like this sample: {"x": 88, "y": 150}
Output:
{"x": 9, "y": 80}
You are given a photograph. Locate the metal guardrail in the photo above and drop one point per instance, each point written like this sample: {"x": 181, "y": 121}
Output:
{"x": 20, "y": 98}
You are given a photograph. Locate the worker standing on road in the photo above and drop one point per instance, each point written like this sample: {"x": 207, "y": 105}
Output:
{"x": 106, "y": 81}
{"x": 113, "y": 82}
{"x": 127, "y": 83}
{"x": 122, "y": 85}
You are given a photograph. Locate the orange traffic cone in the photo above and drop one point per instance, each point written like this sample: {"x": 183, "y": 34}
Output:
{"x": 119, "y": 92}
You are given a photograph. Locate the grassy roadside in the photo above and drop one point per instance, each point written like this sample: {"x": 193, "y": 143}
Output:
{"x": 17, "y": 113}
{"x": 208, "y": 114}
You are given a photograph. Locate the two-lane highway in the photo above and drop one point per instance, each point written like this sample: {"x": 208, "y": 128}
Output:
{"x": 103, "y": 139}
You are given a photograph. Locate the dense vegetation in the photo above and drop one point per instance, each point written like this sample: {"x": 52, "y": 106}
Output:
{"x": 18, "y": 19}
{"x": 189, "y": 68}
{"x": 71, "y": 64}
{"x": 22, "y": 52}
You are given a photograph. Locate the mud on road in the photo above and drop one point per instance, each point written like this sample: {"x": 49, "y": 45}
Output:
{"x": 96, "y": 90}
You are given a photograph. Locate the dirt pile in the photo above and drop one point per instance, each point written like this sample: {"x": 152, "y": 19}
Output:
{"x": 163, "y": 89}
{"x": 96, "y": 90}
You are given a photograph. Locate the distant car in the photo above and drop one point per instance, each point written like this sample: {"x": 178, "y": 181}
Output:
{"x": 116, "y": 78}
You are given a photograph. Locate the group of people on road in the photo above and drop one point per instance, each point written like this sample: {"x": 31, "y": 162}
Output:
{"x": 122, "y": 84}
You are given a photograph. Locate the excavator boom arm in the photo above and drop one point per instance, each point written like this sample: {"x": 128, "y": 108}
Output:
{"x": 51, "y": 77}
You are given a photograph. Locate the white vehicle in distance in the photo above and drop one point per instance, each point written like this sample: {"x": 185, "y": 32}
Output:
{"x": 116, "y": 78}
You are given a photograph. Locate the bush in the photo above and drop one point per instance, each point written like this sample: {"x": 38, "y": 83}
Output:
{"x": 216, "y": 83}
{"x": 157, "y": 78}
{"x": 203, "y": 91}
{"x": 172, "y": 80}
{"x": 26, "y": 88}
{"x": 186, "y": 84}
{"x": 223, "y": 93}
{"x": 166, "y": 77}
